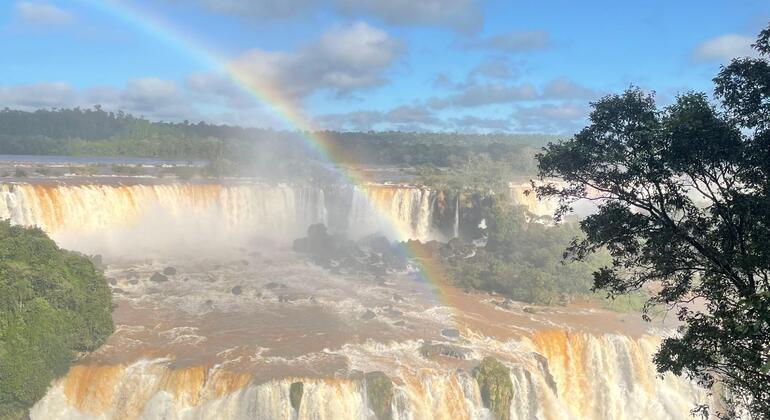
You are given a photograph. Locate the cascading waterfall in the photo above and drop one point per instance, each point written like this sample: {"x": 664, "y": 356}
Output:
{"x": 555, "y": 375}
{"x": 281, "y": 212}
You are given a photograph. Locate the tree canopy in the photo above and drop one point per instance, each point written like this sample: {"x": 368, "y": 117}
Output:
{"x": 683, "y": 198}
{"x": 53, "y": 304}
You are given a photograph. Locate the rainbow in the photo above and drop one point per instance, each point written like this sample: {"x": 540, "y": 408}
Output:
{"x": 431, "y": 273}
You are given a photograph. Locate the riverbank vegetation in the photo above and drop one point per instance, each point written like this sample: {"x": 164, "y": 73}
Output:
{"x": 54, "y": 304}
{"x": 232, "y": 150}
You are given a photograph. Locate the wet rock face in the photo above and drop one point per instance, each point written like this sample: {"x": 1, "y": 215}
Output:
{"x": 450, "y": 333}
{"x": 295, "y": 394}
{"x": 429, "y": 350}
{"x": 379, "y": 393}
{"x": 158, "y": 278}
{"x": 374, "y": 254}
{"x": 496, "y": 387}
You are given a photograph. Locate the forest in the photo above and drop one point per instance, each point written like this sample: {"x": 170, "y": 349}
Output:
{"x": 54, "y": 304}
{"x": 96, "y": 132}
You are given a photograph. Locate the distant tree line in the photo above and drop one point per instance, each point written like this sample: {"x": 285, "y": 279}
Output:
{"x": 96, "y": 132}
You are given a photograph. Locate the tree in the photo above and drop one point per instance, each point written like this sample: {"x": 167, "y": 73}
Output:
{"x": 54, "y": 304}
{"x": 683, "y": 198}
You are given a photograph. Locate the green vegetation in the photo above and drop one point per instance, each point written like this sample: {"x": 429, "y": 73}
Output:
{"x": 53, "y": 305}
{"x": 251, "y": 151}
{"x": 496, "y": 388}
{"x": 522, "y": 259}
{"x": 687, "y": 193}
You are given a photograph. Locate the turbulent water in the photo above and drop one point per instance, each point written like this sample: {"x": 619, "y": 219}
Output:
{"x": 103, "y": 217}
{"x": 226, "y": 334}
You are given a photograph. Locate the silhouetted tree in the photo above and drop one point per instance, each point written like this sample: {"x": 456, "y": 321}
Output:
{"x": 683, "y": 199}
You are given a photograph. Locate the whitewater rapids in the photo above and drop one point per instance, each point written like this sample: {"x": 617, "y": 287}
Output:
{"x": 225, "y": 336}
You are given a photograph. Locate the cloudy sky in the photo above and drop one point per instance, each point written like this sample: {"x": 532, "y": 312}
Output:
{"x": 448, "y": 65}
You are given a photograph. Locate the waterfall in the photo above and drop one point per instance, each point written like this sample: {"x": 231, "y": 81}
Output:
{"x": 555, "y": 375}
{"x": 170, "y": 214}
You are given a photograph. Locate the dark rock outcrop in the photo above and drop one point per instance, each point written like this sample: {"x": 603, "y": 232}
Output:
{"x": 379, "y": 393}
{"x": 169, "y": 271}
{"x": 237, "y": 290}
{"x": 450, "y": 333}
{"x": 447, "y": 350}
{"x": 373, "y": 255}
{"x": 158, "y": 278}
{"x": 295, "y": 394}
{"x": 496, "y": 387}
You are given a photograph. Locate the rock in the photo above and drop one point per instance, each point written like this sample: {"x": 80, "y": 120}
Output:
{"x": 295, "y": 394}
{"x": 133, "y": 281}
{"x": 397, "y": 298}
{"x": 97, "y": 261}
{"x": 274, "y": 285}
{"x": 379, "y": 393}
{"x": 392, "y": 311}
{"x": 237, "y": 290}
{"x": 131, "y": 274}
{"x": 401, "y": 323}
{"x": 356, "y": 375}
{"x": 208, "y": 302}
{"x": 286, "y": 299}
{"x": 210, "y": 279}
{"x": 169, "y": 271}
{"x": 112, "y": 281}
{"x": 543, "y": 362}
{"x": 529, "y": 310}
{"x": 158, "y": 278}
{"x": 118, "y": 290}
{"x": 376, "y": 243}
{"x": 450, "y": 333}
{"x": 369, "y": 314}
{"x": 447, "y": 350}
{"x": 496, "y": 387}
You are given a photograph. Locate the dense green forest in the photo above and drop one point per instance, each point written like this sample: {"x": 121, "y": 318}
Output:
{"x": 96, "y": 132}
{"x": 522, "y": 258}
{"x": 53, "y": 304}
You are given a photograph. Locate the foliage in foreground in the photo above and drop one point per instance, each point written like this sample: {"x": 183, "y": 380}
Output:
{"x": 53, "y": 304}
{"x": 686, "y": 206}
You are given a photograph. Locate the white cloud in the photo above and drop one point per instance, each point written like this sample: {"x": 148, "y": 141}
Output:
{"x": 724, "y": 48}
{"x": 480, "y": 94}
{"x": 563, "y": 118}
{"x": 37, "y": 95}
{"x": 42, "y": 14}
{"x": 345, "y": 59}
{"x": 563, "y": 88}
{"x": 472, "y": 123}
{"x": 151, "y": 97}
{"x": 460, "y": 15}
{"x": 496, "y": 68}
{"x": 474, "y": 93}
{"x": 404, "y": 117}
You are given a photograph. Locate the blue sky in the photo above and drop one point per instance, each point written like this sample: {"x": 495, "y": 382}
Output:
{"x": 446, "y": 65}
